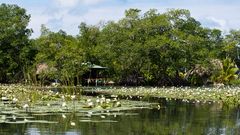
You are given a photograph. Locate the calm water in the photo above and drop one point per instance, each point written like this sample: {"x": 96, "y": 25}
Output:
{"x": 172, "y": 119}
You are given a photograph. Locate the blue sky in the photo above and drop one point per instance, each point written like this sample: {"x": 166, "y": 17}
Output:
{"x": 68, "y": 14}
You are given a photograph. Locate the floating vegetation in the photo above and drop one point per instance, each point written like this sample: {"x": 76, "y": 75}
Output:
{"x": 30, "y": 121}
{"x": 97, "y": 121}
{"x": 24, "y": 104}
{"x": 229, "y": 96}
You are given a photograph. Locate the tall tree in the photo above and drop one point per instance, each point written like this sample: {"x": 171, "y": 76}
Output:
{"x": 88, "y": 40}
{"x": 63, "y": 56}
{"x": 14, "y": 40}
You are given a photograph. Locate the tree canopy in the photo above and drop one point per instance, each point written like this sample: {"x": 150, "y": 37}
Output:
{"x": 150, "y": 48}
{"x": 14, "y": 42}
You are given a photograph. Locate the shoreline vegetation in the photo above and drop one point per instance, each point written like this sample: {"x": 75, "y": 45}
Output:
{"x": 228, "y": 96}
{"x": 154, "y": 48}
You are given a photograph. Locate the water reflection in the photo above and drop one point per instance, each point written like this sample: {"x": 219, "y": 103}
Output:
{"x": 173, "y": 119}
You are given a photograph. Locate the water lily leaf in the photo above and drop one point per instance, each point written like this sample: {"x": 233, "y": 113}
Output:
{"x": 20, "y": 117}
{"x": 96, "y": 121}
{"x": 15, "y": 122}
{"x": 41, "y": 121}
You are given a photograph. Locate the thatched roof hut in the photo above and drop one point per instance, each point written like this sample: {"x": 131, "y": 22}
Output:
{"x": 41, "y": 68}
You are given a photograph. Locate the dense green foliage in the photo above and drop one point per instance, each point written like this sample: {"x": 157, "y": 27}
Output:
{"x": 62, "y": 53}
{"x": 170, "y": 48}
{"x": 14, "y": 42}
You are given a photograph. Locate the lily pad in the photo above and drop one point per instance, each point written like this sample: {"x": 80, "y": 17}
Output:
{"x": 98, "y": 121}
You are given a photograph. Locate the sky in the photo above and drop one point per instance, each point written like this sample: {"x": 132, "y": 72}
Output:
{"x": 68, "y": 14}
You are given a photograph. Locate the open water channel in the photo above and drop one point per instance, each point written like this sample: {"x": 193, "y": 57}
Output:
{"x": 173, "y": 118}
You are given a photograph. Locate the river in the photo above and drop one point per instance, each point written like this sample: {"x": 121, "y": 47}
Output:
{"x": 173, "y": 118}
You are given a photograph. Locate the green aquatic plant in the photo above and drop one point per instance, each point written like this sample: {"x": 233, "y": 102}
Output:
{"x": 226, "y": 95}
{"x": 21, "y": 104}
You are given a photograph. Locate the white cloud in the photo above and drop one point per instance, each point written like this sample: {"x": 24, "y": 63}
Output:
{"x": 37, "y": 18}
{"x": 68, "y": 14}
{"x": 96, "y": 15}
{"x": 62, "y": 18}
{"x": 70, "y": 22}
{"x": 91, "y": 2}
{"x": 67, "y": 3}
{"x": 36, "y": 22}
{"x": 73, "y": 3}
{"x": 220, "y": 23}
